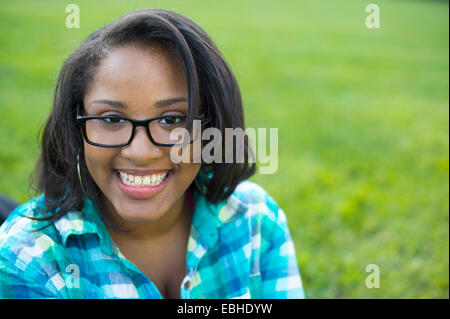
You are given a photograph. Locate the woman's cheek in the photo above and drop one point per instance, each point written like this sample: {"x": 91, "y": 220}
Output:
{"x": 99, "y": 163}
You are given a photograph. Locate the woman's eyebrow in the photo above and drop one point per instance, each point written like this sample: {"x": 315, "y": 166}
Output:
{"x": 170, "y": 101}
{"x": 115, "y": 104}
{"x": 160, "y": 103}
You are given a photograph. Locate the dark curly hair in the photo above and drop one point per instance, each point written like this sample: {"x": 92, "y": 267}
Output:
{"x": 212, "y": 89}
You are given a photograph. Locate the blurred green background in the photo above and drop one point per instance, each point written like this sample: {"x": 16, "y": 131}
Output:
{"x": 363, "y": 118}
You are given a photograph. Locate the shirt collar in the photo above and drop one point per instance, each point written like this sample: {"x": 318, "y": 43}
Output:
{"x": 209, "y": 217}
{"x": 86, "y": 221}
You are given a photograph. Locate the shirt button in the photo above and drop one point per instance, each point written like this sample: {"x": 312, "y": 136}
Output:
{"x": 187, "y": 283}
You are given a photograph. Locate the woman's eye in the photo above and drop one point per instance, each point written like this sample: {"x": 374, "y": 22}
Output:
{"x": 172, "y": 120}
{"x": 113, "y": 120}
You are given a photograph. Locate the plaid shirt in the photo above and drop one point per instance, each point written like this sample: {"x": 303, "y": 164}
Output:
{"x": 239, "y": 248}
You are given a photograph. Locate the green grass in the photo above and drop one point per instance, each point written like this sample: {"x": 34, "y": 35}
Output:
{"x": 363, "y": 120}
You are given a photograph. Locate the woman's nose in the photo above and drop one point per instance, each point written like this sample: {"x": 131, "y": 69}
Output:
{"x": 141, "y": 149}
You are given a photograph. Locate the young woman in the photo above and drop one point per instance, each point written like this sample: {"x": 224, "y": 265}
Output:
{"x": 117, "y": 218}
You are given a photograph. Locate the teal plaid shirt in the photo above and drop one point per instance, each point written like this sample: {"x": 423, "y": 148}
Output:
{"x": 239, "y": 248}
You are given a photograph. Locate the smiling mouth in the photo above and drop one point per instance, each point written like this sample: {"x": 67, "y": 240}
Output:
{"x": 143, "y": 180}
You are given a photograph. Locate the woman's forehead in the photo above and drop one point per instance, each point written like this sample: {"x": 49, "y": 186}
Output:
{"x": 133, "y": 62}
{"x": 138, "y": 73}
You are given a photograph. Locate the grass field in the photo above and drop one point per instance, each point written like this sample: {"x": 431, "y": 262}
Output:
{"x": 363, "y": 118}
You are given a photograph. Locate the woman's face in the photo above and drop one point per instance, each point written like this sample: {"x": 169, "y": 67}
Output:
{"x": 137, "y": 82}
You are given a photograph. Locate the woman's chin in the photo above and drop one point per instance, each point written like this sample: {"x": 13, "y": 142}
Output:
{"x": 141, "y": 213}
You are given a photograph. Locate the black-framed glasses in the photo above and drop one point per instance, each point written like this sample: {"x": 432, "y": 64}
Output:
{"x": 119, "y": 131}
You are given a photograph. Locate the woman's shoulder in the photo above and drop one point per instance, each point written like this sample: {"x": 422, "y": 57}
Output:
{"x": 251, "y": 194}
{"x": 22, "y": 237}
{"x": 20, "y": 230}
{"x": 30, "y": 251}
{"x": 20, "y": 220}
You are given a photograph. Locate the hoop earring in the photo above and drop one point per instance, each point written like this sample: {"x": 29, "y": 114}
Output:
{"x": 79, "y": 173}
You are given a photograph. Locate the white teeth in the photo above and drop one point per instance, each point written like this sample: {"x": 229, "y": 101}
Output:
{"x": 148, "y": 180}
